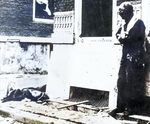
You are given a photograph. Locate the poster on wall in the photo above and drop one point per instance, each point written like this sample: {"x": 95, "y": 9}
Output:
{"x": 43, "y": 11}
{"x": 17, "y": 20}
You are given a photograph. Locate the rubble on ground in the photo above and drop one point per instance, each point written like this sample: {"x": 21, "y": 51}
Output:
{"x": 49, "y": 112}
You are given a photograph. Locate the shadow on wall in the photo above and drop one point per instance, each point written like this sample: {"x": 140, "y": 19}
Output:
{"x": 24, "y": 58}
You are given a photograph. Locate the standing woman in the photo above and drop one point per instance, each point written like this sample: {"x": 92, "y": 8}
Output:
{"x": 132, "y": 73}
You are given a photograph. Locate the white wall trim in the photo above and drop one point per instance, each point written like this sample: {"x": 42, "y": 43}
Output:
{"x": 25, "y": 39}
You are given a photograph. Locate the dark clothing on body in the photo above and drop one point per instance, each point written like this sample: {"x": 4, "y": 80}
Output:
{"x": 131, "y": 81}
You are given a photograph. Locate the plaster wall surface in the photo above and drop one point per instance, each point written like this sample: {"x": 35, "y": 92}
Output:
{"x": 23, "y": 58}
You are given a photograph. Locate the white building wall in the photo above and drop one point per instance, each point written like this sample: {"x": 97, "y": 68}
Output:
{"x": 86, "y": 62}
{"x": 91, "y": 62}
{"x": 91, "y": 65}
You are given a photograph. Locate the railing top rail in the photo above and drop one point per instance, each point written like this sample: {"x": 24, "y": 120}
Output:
{"x": 67, "y": 13}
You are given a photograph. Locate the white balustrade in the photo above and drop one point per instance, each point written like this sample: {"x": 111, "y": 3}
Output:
{"x": 63, "y": 20}
{"x": 63, "y": 27}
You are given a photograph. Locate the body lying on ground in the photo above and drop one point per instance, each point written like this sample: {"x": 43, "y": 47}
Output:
{"x": 34, "y": 94}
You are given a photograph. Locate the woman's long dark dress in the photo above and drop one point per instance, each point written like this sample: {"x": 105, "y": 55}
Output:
{"x": 131, "y": 80}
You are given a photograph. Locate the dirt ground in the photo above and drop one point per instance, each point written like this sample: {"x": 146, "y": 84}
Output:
{"x": 51, "y": 111}
{"x": 55, "y": 112}
{"x": 48, "y": 112}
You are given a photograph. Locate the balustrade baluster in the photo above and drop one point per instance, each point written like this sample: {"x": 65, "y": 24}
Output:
{"x": 63, "y": 20}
